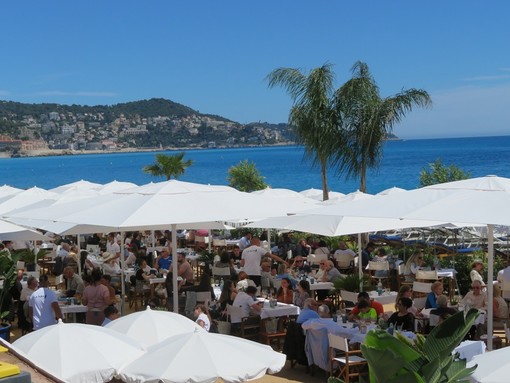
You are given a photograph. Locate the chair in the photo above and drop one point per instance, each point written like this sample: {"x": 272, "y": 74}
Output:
{"x": 375, "y": 266}
{"x": 20, "y": 265}
{"x": 315, "y": 259}
{"x": 249, "y": 327}
{"x": 426, "y": 275}
{"x": 217, "y": 243}
{"x": 348, "y": 296}
{"x": 344, "y": 262}
{"x": 139, "y": 291}
{"x": 59, "y": 280}
{"x": 351, "y": 364}
{"x": 221, "y": 272}
{"x": 274, "y": 329}
{"x": 204, "y": 297}
{"x": 507, "y": 333}
{"x": 93, "y": 249}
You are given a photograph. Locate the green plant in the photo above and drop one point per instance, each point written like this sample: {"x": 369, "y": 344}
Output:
{"x": 29, "y": 257}
{"x": 245, "y": 177}
{"x": 8, "y": 274}
{"x": 208, "y": 257}
{"x": 396, "y": 359}
{"x": 439, "y": 173}
{"x": 352, "y": 282}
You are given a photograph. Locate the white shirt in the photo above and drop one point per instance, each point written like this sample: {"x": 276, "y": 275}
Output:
{"x": 252, "y": 258}
{"x": 204, "y": 318}
{"x": 42, "y": 312}
{"x": 113, "y": 248}
{"x": 25, "y": 293}
{"x": 244, "y": 301}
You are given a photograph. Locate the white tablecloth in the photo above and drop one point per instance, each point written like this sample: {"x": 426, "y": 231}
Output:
{"x": 280, "y": 310}
{"x": 73, "y": 309}
{"x": 321, "y": 286}
{"x": 385, "y": 298}
{"x": 469, "y": 349}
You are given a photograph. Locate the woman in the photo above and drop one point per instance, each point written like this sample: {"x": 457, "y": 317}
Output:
{"x": 436, "y": 289}
{"x": 412, "y": 265}
{"x": 203, "y": 318}
{"x": 285, "y": 294}
{"x": 303, "y": 293}
{"x": 96, "y": 297}
{"x": 475, "y": 273}
{"x": 303, "y": 249}
{"x": 403, "y": 319}
{"x": 228, "y": 294}
{"x": 407, "y": 292}
{"x": 224, "y": 262}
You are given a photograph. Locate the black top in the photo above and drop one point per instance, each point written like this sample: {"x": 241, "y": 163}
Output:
{"x": 405, "y": 322}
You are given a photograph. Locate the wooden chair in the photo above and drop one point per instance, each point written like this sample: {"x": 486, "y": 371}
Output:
{"x": 315, "y": 259}
{"x": 426, "y": 275}
{"x": 221, "y": 272}
{"x": 345, "y": 263}
{"x": 350, "y": 363}
{"x": 274, "y": 330}
{"x": 249, "y": 327}
{"x": 349, "y": 298}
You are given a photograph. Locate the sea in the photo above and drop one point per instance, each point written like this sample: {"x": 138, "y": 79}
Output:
{"x": 282, "y": 166}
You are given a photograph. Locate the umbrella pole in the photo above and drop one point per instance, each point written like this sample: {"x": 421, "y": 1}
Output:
{"x": 122, "y": 275}
{"x": 175, "y": 269}
{"x": 360, "y": 263}
{"x": 490, "y": 278}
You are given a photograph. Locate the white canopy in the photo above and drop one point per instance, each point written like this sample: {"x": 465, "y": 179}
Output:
{"x": 12, "y": 232}
{"x": 201, "y": 357}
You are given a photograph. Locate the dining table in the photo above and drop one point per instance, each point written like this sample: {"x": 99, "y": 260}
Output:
{"x": 317, "y": 344}
{"x": 280, "y": 310}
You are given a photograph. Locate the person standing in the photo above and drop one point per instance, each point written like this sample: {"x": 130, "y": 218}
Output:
{"x": 96, "y": 297}
{"x": 366, "y": 255}
{"x": 43, "y": 306}
{"x": 245, "y": 241}
{"x": 252, "y": 257}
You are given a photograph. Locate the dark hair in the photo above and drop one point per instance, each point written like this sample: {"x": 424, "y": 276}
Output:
{"x": 363, "y": 295}
{"x": 370, "y": 244}
{"x": 406, "y": 302}
{"x": 106, "y": 277}
{"x": 110, "y": 310}
{"x": 225, "y": 257}
{"x": 280, "y": 289}
{"x": 43, "y": 278}
{"x": 96, "y": 275}
{"x": 363, "y": 304}
{"x": 305, "y": 285}
{"x": 251, "y": 290}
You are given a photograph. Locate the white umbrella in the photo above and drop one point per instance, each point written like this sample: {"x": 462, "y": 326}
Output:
{"x": 202, "y": 357}
{"x": 12, "y": 232}
{"x": 150, "y": 327}
{"x": 25, "y": 198}
{"x": 78, "y": 185}
{"x": 482, "y": 200}
{"x": 6, "y": 190}
{"x": 316, "y": 194}
{"x": 77, "y": 352}
{"x": 493, "y": 367}
{"x": 115, "y": 186}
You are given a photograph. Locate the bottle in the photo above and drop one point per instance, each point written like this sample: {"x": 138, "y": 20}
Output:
{"x": 379, "y": 288}
{"x": 221, "y": 284}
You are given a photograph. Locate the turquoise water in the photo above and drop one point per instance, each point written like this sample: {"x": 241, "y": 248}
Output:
{"x": 283, "y": 167}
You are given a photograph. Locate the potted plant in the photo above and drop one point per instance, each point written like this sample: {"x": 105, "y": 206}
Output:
{"x": 8, "y": 274}
{"x": 30, "y": 257}
{"x": 352, "y": 283}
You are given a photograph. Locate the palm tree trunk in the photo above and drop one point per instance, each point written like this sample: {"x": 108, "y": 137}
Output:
{"x": 363, "y": 179}
{"x": 325, "y": 194}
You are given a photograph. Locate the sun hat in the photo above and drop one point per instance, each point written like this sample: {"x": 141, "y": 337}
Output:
{"x": 107, "y": 256}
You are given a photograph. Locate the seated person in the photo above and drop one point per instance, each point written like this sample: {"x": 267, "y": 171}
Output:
{"x": 309, "y": 311}
{"x": 500, "y": 305}
{"x": 143, "y": 274}
{"x": 110, "y": 264}
{"x": 110, "y": 313}
{"x": 323, "y": 311}
{"x": 298, "y": 267}
{"x": 285, "y": 294}
{"x": 185, "y": 271}
{"x": 248, "y": 303}
{"x": 366, "y": 312}
{"x": 436, "y": 290}
{"x": 407, "y": 291}
{"x": 379, "y": 309}
{"x": 303, "y": 293}
{"x": 476, "y": 298}
{"x": 163, "y": 261}
{"x": 442, "y": 310}
{"x": 413, "y": 264}
{"x": 402, "y": 319}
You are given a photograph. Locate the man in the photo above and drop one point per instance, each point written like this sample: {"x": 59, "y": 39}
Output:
{"x": 24, "y": 321}
{"x": 309, "y": 311}
{"x": 235, "y": 256}
{"x": 110, "y": 313}
{"x": 298, "y": 267}
{"x": 184, "y": 270}
{"x": 163, "y": 261}
{"x": 43, "y": 306}
{"x": 344, "y": 256}
{"x": 247, "y": 302}
{"x": 252, "y": 257}
{"x": 504, "y": 280}
{"x": 330, "y": 272}
{"x": 245, "y": 241}
{"x": 379, "y": 309}
{"x": 112, "y": 245}
{"x": 74, "y": 283}
{"x": 366, "y": 255}
{"x": 65, "y": 248}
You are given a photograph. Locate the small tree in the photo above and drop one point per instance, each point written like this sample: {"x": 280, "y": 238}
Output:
{"x": 168, "y": 166}
{"x": 245, "y": 177}
{"x": 439, "y": 173}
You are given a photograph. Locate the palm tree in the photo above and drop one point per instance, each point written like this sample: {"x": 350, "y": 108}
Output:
{"x": 168, "y": 166}
{"x": 245, "y": 177}
{"x": 366, "y": 119}
{"x": 312, "y": 116}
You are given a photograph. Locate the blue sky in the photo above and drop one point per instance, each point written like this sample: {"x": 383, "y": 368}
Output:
{"x": 214, "y": 55}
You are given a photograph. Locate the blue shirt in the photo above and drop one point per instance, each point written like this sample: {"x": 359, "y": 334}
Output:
{"x": 431, "y": 301}
{"x": 165, "y": 263}
{"x": 306, "y": 314}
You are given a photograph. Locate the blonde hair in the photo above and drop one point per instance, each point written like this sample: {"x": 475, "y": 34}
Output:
{"x": 496, "y": 291}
